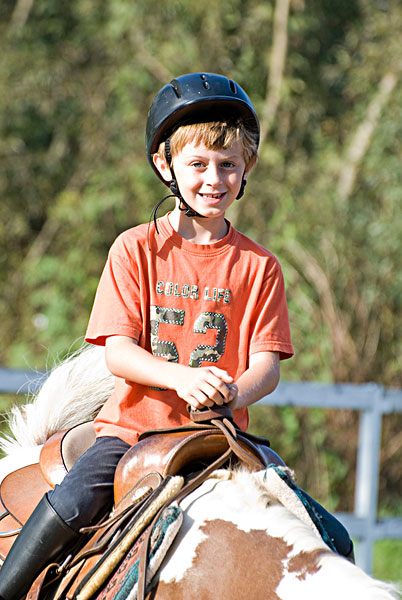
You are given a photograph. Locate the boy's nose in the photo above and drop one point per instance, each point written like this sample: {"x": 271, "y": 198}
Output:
{"x": 212, "y": 175}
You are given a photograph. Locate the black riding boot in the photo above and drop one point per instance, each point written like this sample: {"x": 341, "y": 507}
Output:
{"x": 42, "y": 540}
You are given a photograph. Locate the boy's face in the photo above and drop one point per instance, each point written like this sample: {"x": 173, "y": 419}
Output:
{"x": 209, "y": 180}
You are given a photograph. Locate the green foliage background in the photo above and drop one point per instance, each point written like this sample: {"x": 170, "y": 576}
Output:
{"x": 76, "y": 81}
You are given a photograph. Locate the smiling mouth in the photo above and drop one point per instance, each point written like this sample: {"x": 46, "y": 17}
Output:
{"x": 213, "y": 196}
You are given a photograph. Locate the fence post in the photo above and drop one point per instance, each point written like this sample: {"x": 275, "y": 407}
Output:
{"x": 367, "y": 474}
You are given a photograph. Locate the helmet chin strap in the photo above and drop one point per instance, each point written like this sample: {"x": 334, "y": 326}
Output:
{"x": 174, "y": 188}
{"x": 186, "y": 208}
{"x": 241, "y": 190}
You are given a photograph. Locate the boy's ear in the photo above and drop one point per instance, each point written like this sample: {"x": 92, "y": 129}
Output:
{"x": 250, "y": 166}
{"x": 162, "y": 166}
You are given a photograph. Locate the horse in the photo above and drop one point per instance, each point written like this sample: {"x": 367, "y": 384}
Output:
{"x": 235, "y": 539}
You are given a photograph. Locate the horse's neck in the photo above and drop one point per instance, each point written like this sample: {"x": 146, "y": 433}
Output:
{"x": 235, "y": 544}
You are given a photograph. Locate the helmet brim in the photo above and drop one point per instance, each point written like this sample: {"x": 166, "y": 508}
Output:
{"x": 199, "y": 111}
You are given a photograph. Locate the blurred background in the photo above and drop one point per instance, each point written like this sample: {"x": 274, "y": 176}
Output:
{"x": 76, "y": 81}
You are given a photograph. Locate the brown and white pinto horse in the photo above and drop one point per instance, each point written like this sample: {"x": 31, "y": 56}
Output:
{"x": 236, "y": 540}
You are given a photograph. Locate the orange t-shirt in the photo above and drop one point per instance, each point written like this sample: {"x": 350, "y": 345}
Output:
{"x": 189, "y": 303}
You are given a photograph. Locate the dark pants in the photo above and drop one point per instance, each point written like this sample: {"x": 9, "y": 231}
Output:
{"x": 86, "y": 493}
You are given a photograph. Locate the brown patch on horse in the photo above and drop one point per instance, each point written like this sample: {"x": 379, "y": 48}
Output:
{"x": 306, "y": 563}
{"x": 231, "y": 564}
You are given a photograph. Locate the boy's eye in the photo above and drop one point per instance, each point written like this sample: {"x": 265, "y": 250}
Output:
{"x": 227, "y": 164}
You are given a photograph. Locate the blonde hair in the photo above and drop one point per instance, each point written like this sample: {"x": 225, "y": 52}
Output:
{"x": 215, "y": 135}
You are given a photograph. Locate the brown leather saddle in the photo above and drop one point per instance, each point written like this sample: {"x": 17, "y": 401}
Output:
{"x": 191, "y": 448}
{"x": 21, "y": 490}
{"x": 210, "y": 441}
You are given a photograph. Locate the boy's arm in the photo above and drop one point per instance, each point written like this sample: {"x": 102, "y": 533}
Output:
{"x": 199, "y": 387}
{"x": 259, "y": 380}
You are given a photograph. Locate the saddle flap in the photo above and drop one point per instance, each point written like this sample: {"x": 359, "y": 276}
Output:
{"x": 9, "y": 529}
{"x": 21, "y": 491}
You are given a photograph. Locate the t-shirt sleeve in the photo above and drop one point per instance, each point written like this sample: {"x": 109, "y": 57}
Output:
{"x": 117, "y": 307}
{"x": 270, "y": 330}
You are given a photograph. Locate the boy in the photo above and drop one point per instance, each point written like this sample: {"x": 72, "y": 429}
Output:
{"x": 191, "y": 311}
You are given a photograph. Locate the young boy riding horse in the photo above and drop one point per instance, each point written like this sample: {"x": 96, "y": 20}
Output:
{"x": 165, "y": 286}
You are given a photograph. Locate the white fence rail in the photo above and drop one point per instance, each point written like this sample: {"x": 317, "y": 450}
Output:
{"x": 372, "y": 401}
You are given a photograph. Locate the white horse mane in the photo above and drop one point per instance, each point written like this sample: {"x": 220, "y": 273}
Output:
{"x": 74, "y": 392}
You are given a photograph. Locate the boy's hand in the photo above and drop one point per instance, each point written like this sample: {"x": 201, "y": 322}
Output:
{"x": 205, "y": 386}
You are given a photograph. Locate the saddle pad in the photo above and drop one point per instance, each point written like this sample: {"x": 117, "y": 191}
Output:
{"x": 124, "y": 583}
{"x": 282, "y": 487}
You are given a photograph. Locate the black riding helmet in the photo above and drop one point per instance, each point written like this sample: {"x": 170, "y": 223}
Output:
{"x": 194, "y": 98}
